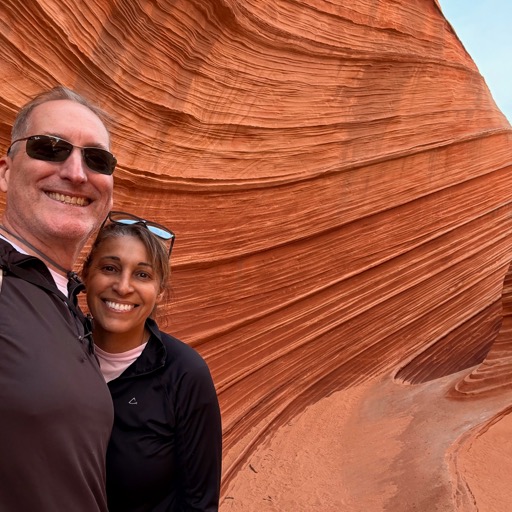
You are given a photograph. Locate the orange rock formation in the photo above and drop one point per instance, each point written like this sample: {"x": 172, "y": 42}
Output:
{"x": 339, "y": 179}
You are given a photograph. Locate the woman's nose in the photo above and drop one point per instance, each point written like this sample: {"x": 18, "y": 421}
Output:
{"x": 123, "y": 285}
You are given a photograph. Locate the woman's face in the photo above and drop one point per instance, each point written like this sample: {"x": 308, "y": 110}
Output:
{"x": 122, "y": 286}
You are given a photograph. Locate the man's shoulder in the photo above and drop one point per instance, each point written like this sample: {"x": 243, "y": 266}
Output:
{"x": 24, "y": 266}
{"x": 6, "y": 252}
{"x": 10, "y": 255}
{"x": 5, "y": 249}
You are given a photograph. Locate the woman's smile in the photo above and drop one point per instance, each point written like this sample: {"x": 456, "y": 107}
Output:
{"x": 116, "y": 306}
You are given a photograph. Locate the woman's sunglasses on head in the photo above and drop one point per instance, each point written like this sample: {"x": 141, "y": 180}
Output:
{"x": 54, "y": 149}
{"x": 128, "y": 219}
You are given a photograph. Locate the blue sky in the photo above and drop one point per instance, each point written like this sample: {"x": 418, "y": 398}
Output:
{"x": 485, "y": 29}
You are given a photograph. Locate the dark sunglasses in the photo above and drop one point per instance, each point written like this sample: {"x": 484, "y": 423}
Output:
{"x": 127, "y": 219}
{"x": 54, "y": 149}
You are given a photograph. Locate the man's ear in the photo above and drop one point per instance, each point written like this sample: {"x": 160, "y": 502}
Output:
{"x": 5, "y": 168}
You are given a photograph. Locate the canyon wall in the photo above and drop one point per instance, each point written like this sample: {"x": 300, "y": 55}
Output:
{"x": 338, "y": 177}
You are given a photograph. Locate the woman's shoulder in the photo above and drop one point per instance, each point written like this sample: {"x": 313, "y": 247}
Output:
{"x": 177, "y": 350}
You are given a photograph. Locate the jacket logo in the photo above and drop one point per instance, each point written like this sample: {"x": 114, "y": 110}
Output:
{"x": 133, "y": 401}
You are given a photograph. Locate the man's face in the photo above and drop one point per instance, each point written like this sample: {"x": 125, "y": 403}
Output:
{"x": 51, "y": 202}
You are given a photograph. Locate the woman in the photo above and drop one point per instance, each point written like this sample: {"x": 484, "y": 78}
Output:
{"x": 165, "y": 449}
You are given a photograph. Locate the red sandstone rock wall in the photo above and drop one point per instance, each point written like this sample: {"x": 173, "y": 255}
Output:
{"x": 339, "y": 179}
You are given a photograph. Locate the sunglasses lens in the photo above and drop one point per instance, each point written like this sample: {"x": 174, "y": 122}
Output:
{"x": 156, "y": 229}
{"x": 159, "y": 232}
{"x": 49, "y": 149}
{"x": 53, "y": 149}
{"x": 99, "y": 160}
{"x": 128, "y": 222}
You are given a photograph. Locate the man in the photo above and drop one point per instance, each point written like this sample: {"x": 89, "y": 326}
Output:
{"x": 55, "y": 409}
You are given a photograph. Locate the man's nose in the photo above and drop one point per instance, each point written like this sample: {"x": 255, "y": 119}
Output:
{"x": 74, "y": 168}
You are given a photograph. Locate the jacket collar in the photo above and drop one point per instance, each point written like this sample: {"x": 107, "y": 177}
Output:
{"x": 152, "y": 357}
{"x": 23, "y": 266}
{"x": 12, "y": 260}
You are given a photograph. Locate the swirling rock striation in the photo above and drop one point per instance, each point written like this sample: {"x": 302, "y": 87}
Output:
{"x": 338, "y": 177}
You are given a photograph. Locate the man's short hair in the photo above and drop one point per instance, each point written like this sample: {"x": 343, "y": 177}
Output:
{"x": 60, "y": 92}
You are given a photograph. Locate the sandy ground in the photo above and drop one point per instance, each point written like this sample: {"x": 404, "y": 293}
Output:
{"x": 383, "y": 447}
{"x": 299, "y": 468}
{"x": 486, "y": 464}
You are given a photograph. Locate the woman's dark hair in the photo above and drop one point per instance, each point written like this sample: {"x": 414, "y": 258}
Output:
{"x": 158, "y": 253}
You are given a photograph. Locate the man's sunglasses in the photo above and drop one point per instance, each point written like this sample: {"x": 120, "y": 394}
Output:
{"x": 127, "y": 219}
{"x": 54, "y": 149}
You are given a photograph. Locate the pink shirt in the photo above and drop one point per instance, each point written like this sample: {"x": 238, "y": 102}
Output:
{"x": 113, "y": 365}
